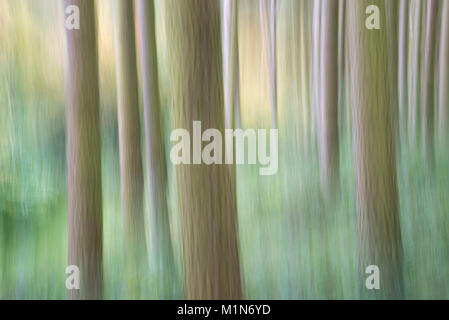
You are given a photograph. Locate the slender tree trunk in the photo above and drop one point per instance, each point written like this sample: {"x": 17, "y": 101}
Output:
{"x": 268, "y": 24}
{"x": 231, "y": 68}
{"x": 329, "y": 153}
{"x": 428, "y": 82}
{"x": 130, "y": 148}
{"x": 444, "y": 80}
{"x": 392, "y": 16}
{"x": 85, "y": 225}
{"x": 157, "y": 170}
{"x": 414, "y": 71}
{"x": 347, "y": 77}
{"x": 402, "y": 72}
{"x": 316, "y": 68}
{"x": 304, "y": 71}
{"x": 206, "y": 192}
{"x": 376, "y": 182}
{"x": 341, "y": 53}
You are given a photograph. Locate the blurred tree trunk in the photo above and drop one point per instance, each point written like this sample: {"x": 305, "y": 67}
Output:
{"x": 347, "y": 77}
{"x": 157, "y": 170}
{"x": 316, "y": 24}
{"x": 376, "y": 182}
{"x": 428, "y": 82}
{"x": 206, "y": 192}
{"x": 342, "y": 82}
{"x": 304, "y": 71}
{"x": 231, "y": 68}
{"x": 444, "y": 80}
{"x": 130, "y": 148}
{"x": 268, "y": 26}
{"x": 85, "y": 225}
{"x": 414, "y": 71}
{"x": 392, "y": 16}
{"x": 329, "y": 153}
{"x": 402, "y": 72}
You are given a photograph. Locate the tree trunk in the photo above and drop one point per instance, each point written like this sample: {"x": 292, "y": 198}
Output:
{"x": 130, "y": 149}
{"x": 157, "y": 170}
{"x": 316, "y": 68}
{"x": 329, "y": 153}
{"x": 392, "y": 16}
{"x": 268, "y": 25}
{"x": 304, "y": 70}
{"x": 347, "y": 77}
{"x": 206, "y": 192}
{"x": 444, "y": 80}
{"x": 342, "y": 56}
{"x": 231, "y": 68}
{"x": 428, "y": 82}
{"x": 415, "y": 39}
{"x": 85, "y": 225}
{"x": 379, "y": 231}
{"x": 402, "y": 72}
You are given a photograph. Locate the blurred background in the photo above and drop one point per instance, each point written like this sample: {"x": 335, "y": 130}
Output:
{"x": 292, "y": 244}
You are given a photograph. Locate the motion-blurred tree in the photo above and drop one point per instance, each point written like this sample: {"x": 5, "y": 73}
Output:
{"x": 402, "y": 71}
{"x": 131, "y": 173}
{"x": 315, "y": 74}
{"x": 328, "y": 141}
{"x": 414, "y": 70}
{"x": 444, "y": 80}
{"x": 157, "y": 170}
{"x": 85, "y": 226}
{"x": 392, "y": 25}
{"x": 206, "y": 192}
{"x": 231, "y": 67}
{"x": 379, "y": 231}
{"x": 268, "y": 13}
{"x": 428, "y": 82}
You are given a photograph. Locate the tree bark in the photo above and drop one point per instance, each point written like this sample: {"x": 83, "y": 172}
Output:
{"x": 156, "y": 160}
{"x": 131, "y": 173}
{"x": 428, "y": 82}
{"x": 329, "y": 153}
{"x": 206, "y": 192}
{"x": 85, "y": 225}
{"x": 379, "y": 234}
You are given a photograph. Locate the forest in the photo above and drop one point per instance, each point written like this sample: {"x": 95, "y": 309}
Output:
{"x": 118, "y": 181}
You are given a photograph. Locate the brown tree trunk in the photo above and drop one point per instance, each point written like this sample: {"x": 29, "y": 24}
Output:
{"x": 376, "y": 182}
{"x": 157, "y": 170}
{"x": 85, "y": 225}
{"x": 329, "y": 153}
{"x": 206, "y": 192}
{"x": 131, "y": 173}
{"x": 428, "y": 82}
{"x": 444, "y": 80}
